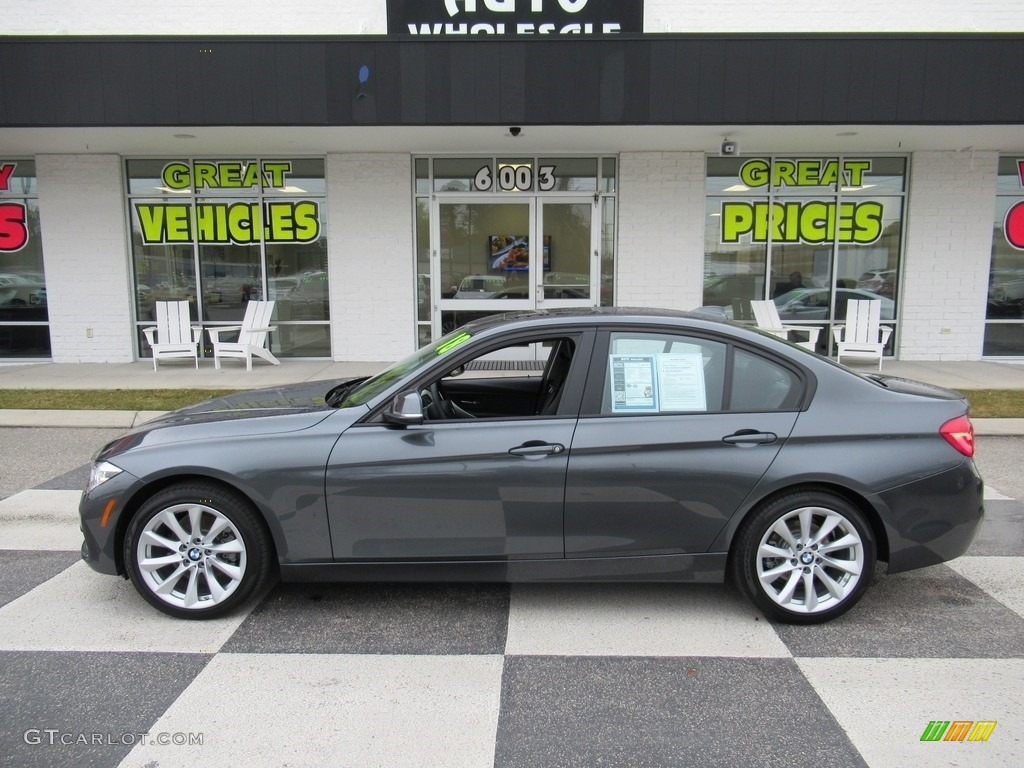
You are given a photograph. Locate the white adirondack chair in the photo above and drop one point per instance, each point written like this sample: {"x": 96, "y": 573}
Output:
{"x": 252, "y": 336}
{"x": 173, "y": 335}
{"x": 863, "y": 336}
{"x": 766, "y": 315}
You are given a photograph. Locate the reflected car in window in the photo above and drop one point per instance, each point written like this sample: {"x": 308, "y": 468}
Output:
{"x": 480, "y": 286}
{"x": 22, "y": 290}
{"x": 643, "y": 445}
{"x": 813, "y": 303}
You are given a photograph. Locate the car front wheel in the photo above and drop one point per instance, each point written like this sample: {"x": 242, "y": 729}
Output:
{"x": 197, "y": 551}
{"x": 805, "y": 558}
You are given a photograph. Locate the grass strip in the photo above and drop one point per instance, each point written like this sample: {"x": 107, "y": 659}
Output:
{"x": 106, "y": 399}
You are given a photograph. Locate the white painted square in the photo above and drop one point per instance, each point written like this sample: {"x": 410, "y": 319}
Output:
{"x": 885, "y": 705}
{"x": 81, "y": 610}
{"x": 1001, "y": 577}
{"x": 41, "y": 520}
{"x": 991, "y": 494}
{"x": 637, "y": 620}
{"x": 334, "y": 710}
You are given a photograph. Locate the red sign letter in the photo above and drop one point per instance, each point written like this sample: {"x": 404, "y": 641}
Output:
{"x": 13, "y": 232}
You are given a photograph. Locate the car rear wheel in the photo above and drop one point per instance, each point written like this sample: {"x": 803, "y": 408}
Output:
{"x": 197, "y": 550}
{"x": 805, "y": 558}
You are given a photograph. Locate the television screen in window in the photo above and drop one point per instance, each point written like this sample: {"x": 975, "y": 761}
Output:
{"x": 511, "y": 253}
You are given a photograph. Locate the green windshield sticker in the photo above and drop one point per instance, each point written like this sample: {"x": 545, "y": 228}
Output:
{"x": 448, "y": 346}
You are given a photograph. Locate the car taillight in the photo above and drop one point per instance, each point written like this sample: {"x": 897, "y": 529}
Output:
{"x": 959, "y": 433}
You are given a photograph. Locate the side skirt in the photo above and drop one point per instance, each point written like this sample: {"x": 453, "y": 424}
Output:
{"x": 703, "y": 568}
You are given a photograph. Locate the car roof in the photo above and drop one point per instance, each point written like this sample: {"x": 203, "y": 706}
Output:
{"x": 599, "y": 315}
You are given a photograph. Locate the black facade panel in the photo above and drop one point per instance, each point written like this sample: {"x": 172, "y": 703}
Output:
{"x": 685, "y": 94}
{"x": 177, "y": 79}
{"x": 835, "y": 97}
{"x": 512, "y": 83}
{"x": 938, "y": 70}
{"x": 476, "y": 70}
{"x": 611, "y": 96}
{"x": 437, "y": 95}
{"x": 1007, "y": 65}
{"x": 126, "y": 83}
{"x": 412, "y": 73}
{"x": 659, "y": 80}
{"x": 785, "y": 84}
{"x": 812, "y": 82}
{"x": 637, "y": 91}
{"x": 760, "y": 101}
{"x": 879, "y": 92}
{"x": 709, "y": 106}
{"x": 913, "y": 76}
{"x": 289, "y": 84}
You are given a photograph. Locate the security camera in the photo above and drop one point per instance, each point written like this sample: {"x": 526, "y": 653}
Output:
{"x": 514, "y": 130}
{"x": 729, "y": 148}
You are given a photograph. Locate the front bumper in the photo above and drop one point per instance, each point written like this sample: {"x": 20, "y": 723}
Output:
{"x": 101, "y": 515}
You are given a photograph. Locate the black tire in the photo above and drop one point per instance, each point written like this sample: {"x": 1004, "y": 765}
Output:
{"x": 188, "y": 573}
{"x": 818, "y": 558}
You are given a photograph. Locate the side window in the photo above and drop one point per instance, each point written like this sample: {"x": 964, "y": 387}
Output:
{"x": 497, "y": 385}
{"x": 759, "y": 384}
{"x": 663, "y": 373}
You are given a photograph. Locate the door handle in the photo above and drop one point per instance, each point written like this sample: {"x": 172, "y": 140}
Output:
{"x": 536, "y": 449}
{"x": 750, "y": 437}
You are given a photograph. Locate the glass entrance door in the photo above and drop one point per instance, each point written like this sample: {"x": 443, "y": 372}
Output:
{"x": 495, "y": 256}
{"x": 571, "y": 266}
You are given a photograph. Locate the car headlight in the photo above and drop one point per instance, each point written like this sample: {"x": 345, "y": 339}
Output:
{"x": 100, "y": 473}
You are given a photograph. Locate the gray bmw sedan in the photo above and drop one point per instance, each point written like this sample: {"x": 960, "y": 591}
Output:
{"x": 600, "y": 445}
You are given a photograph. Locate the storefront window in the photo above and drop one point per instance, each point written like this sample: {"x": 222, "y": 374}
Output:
{"x": 809, "y": 233}
{"x": 24, "y": 318}
{"x": 1004, "y": 327}
{"x": 221, "y": 233}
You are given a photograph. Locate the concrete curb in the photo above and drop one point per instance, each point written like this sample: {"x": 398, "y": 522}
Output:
{"x": 13, "y": 417}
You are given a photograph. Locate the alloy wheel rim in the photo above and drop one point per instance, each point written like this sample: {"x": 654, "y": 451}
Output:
{"x": 191, "y": 556}
{"x": 810, "y": 560}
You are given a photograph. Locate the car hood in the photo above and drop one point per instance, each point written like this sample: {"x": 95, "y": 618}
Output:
{"x": 288, "y": 408}
{"x": 306, "y": 397}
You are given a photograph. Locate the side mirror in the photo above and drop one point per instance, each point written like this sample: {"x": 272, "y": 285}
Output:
{"x": 406, "y": 410}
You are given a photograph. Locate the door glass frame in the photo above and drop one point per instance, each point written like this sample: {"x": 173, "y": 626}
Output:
{"x": 546, "y": 179}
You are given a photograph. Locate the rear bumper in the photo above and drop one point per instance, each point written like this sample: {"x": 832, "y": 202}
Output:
{"x": 934, "y": 519}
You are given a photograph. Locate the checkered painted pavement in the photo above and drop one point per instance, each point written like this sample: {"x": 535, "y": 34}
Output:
{"x": 482, "y": 675}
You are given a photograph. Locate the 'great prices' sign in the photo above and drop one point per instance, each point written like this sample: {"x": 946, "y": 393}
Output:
{"x": 237, "y": 222}
{"x": 859, "y": 222}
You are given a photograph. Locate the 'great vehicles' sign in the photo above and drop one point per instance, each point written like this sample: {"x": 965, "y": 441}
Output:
{"x": 237, "y": 222}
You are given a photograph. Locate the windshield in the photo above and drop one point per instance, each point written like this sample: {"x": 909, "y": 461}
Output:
{"x": 374, "y": 385}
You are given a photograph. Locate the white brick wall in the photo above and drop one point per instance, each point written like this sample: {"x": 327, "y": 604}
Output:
{"x": 355, "y": 17}
{"x": 660, "y": 258}
{"x": 372, "y": 277}
{"x": 833, "y": 16}
{"x": 81, "y": 209}
{"x": 948, "y": 249}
